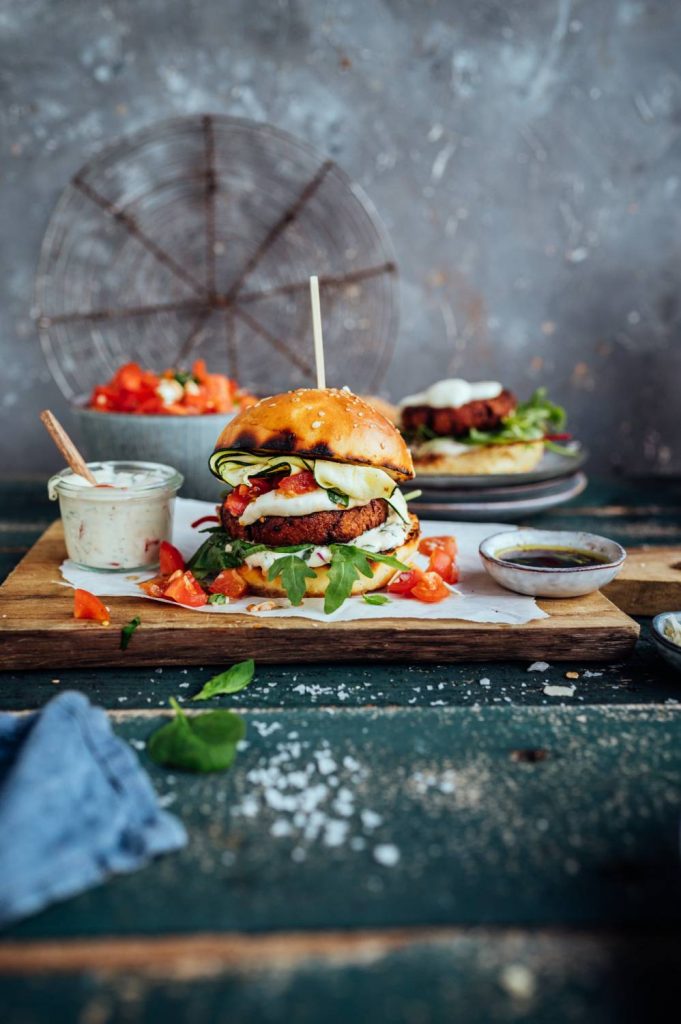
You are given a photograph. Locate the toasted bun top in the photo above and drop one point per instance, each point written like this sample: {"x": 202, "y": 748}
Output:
{"x": 320, "y": 424}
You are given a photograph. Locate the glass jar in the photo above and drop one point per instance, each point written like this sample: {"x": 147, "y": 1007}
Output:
{"x": 119, "y": 524}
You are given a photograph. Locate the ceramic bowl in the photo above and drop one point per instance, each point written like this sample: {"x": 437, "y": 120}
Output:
{"x": 184, "y": 442}
{"x": 564, "y": 582}
{"x": 670, "y": 652}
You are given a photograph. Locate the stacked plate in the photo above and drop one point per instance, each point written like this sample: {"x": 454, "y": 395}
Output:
{"x": 513, "y": 496}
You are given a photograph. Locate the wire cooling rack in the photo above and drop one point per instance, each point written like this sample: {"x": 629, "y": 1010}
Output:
{"x": 197, "y": 237}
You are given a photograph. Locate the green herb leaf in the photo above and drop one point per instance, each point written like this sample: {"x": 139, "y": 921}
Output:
{"x": 203, "y": 743}
{"x": 217, "y": 599}
{"x": 128, "y": 630}
{"x": 220, "y": 552}
{"x": 337, "y": 497}
{"x": 528, "y": 422}
{"x": 234, "y": 679}
{"x": 376, "y": 599}
{"x": 293, "y": 571}
{"x": 183, "y": 377}
{"x": 347, "y": 562}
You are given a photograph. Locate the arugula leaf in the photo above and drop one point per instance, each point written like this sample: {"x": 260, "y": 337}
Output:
{"x": 347, "y": 562}
{"x": 528, "y": 422}
{"x": 293, "y": 572}
{"x": 337, "y": 497}
{"x": 217, "y": 599}
{"x": 128, "y": 630}
{"x": 234, "y": 679}
{"x": 376, "y": 599}
{"x": 203, "y": 743}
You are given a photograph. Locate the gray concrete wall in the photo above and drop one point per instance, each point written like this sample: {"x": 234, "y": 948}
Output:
{"x": 525, "y": 157}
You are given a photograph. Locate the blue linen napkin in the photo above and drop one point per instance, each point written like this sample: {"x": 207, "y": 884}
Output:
{"x": 75, "y": 806}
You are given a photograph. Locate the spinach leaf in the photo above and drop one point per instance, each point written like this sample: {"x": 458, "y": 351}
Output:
{"x": 234, "y": 679}
{"x": 217, "y": 599}
{"x": 293, "y": 571}
{"x": 203, "y": 743}
{"x": 213, "y": 556}
{"x": 347, "y": 562}
{"x": 376, "y": 599}
{"x": 128, "y": 630}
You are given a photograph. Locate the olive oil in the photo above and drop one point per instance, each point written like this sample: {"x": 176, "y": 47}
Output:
{"x": 534, "y": 556}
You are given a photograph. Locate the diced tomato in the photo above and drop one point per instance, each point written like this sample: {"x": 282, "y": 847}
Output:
{"x": 405, "y": 581}
{"x": 430, "y": 544}
{"x": 133, "y": 389}
{"x": 238, "y": 500}
{"x": 430, "y": 589}
{"x": 155, "y": 587}
{"x": 204, "y": 519}
{"x": 170, "y": 559}
{"x": 230, "y": 582}
{"x": 185, "y": 589}
{"x": 298, "y": 483}
{"x": 443, "y": 564}
{"x": 87, "y": 606}
{"x": 244, "y": 494}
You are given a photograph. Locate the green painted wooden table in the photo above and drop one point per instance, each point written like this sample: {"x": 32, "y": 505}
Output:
{"x": 402, "y": 843}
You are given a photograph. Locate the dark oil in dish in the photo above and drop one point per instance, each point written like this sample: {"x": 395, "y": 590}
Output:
{"x": 537, "y": 557}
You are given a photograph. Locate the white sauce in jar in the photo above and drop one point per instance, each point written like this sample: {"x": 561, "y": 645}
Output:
{"x": 453, "y": 393}
{"x": 119, "y": 524}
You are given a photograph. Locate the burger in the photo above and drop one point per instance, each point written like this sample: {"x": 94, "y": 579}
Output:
{"x": 465, "y": 429}
{"x": 314, "y": 507}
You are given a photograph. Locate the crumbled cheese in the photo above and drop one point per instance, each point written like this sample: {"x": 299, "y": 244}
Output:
{"x": 386, "y": 854}
{"x": 559, "y": 691}
{"x": 538, "y": 666}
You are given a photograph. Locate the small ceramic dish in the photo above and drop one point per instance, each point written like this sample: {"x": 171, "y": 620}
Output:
{"x": 670, "y": 651}
{"x": 541, "y": 581}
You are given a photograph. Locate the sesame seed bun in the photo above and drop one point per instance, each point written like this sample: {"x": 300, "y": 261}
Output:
{"x": 482, "y": 460}
{"x": 258, "y": 583}
{"x": 320, "y": 424}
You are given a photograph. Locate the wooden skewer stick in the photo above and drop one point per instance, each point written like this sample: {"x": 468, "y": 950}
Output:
{"x": 317, "y": 331}
{"x": 66, "y": 446}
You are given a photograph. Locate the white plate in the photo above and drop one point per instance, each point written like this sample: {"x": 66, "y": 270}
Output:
{"x": 508, "y": 508}
{"x": 552, "y": 467}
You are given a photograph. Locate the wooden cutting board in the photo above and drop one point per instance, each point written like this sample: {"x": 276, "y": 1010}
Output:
{"x": 37, "y": 630}
{"x": 650, "y": 581}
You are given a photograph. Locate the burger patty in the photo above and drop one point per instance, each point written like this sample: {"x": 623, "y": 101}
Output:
{"x": 318, "y": 528}
{"x": 483, "y": 414}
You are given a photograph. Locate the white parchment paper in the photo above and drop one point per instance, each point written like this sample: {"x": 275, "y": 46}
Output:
{"x": 477, "y": 598}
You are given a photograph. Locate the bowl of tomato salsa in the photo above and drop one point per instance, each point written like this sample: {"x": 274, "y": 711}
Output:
{"x": 172, "y": 417}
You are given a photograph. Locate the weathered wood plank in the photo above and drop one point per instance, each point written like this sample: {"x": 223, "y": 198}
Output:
{"x": 438, "y": 977}
{"x": 650, "y": 581}
{"x": 38, "y": 630}
{"x": 393, "y": 818}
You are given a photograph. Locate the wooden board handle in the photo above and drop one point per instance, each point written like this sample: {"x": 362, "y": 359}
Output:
{"x": 66, "y": 446}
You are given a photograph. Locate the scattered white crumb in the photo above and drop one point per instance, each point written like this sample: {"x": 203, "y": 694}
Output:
{"x": 559, "y": 691}
{"x": 138, "y": 744}
{"x": 386, "y": 854}
{"x": 518, "y": 981}
{"x": 370, "y": 819}
{"x": 591, "y": 675}
{"x": 538, "y": 666}
{"x": 485, "y": 681}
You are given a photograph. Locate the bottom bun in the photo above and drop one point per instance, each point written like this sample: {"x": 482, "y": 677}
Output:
{"x": 483, "y": 461}
{"x": 259, "y": 584}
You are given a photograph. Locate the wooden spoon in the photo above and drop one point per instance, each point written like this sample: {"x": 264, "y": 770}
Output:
{"x": 66, "y": 446}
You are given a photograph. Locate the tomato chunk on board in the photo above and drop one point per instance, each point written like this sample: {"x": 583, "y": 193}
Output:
{"x": 87, "y": 606}
{"x": 230, "y": 583}
{"x": 443, "y": 564}
{"x": 405, "y": 581}
{"x": 170, "y": 558}
{"x": 430, "y": 544}
{"x": 430, "y": 589}
{"x": 183, "y": 588}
